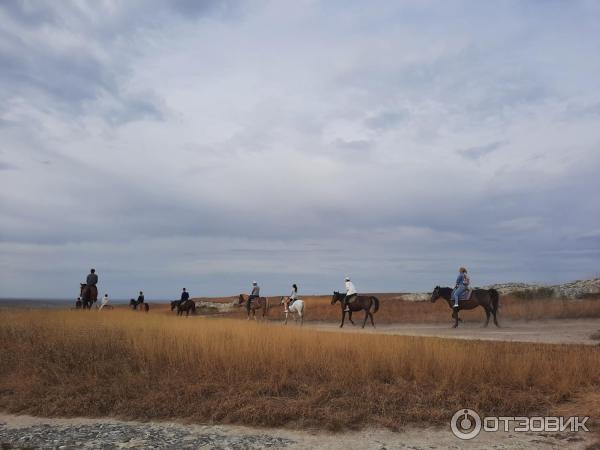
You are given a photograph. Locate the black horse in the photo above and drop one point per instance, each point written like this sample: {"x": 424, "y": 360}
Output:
{"x": 488, "y": 299}
{"x": 360, "y": 303}
{"x": 133, "y": 304}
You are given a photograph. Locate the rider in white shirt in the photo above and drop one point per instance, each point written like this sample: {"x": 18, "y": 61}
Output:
{"x": 350, "y": 293}
{"x": 104, "y": 301}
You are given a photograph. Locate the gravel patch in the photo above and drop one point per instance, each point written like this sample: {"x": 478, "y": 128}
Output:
{"x": 127, "y": 435}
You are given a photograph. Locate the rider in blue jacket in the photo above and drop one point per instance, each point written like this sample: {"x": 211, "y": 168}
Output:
{"x": 462, "y": 284}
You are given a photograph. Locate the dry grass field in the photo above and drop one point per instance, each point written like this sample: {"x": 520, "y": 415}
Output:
{"x": 153, "y": 366}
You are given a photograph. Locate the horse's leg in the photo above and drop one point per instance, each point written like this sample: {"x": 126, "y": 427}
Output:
{"x": 286, "y": 317}
{"x": 366, "y": 317}
{"x": 343, "y": 317}
{"x": 455, "y": 316}
{"x": 371, "y": 316}
{"x": 487, "y": 316}
{"x": 494, "y": 311}
{"x": 350, "y": 317}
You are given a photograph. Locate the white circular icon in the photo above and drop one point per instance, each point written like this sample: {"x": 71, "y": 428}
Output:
{"x": 465, "y": 424}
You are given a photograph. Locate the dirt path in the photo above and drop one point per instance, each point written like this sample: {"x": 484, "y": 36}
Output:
{"x": 30, "y": 432}
{"x": 567, "y": 331}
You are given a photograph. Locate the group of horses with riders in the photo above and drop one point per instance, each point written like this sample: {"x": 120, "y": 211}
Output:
{"x": 461, "y": 297}
{"x": 88, "y": 296}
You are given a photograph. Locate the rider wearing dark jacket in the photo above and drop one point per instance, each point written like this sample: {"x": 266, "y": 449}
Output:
{"x": 185, "y": 296}
{"x": 92, "y": 278}
{"x": 140, "y": 297}
{"x": 91, "y": 281}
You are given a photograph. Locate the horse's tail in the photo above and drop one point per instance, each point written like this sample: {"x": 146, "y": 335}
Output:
{"x": 376, "y": 301}
{"x": 267, "y": 305}
{"x": 193, "y": 307}
{"x": 495, "y": 297}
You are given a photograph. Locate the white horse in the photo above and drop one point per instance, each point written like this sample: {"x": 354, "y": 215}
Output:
{"x": 297, "y": 307}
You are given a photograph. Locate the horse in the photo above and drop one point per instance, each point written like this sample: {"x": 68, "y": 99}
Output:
{"x": 296, "y": 307}
{"x": 133, "y": 304}
{"x": 360, "y": 302}
{"x": 255, "y": 304}
{"x": 88, "y": 294}
{"x": 488, "y": 299}
{"x": 187, "y": 307}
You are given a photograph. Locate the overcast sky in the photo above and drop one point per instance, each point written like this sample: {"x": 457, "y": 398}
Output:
{"x": 207, "y": 144}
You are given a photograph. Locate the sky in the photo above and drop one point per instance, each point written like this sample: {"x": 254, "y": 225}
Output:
{"x": 207, "y": 144}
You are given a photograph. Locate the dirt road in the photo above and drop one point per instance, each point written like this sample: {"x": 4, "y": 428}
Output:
{"x": 30, "y": 432}
{"x": 567, "y": 331}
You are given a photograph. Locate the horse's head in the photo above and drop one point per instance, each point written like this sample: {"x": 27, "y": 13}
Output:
{"x": 336, "y": 296}
{"x": 81, "y": 288}
{"x": 282, "y": 301}
{"x": 241, "y": 299}
{"x": 435, "y": 294}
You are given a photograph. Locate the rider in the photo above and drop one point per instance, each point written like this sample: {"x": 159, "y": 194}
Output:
{"x": 104, "y": 301}
{"x": 185, "y": 296}
{"x": 140, "y": 298}
{"x": 462, "y": 284}
{"x": 350, "y": 293}
{"x": 293, "y": 296}
{"x": 255, "y": 293}
{"x": 91, "y": 281}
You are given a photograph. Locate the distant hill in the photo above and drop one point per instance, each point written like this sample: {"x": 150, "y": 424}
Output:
{"x": 573, "y": 289}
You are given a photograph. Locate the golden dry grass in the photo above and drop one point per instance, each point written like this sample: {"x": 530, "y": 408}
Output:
{"x": 152, "y": 366}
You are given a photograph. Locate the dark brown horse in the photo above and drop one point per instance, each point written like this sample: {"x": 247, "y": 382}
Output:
{"x": 187, "y": 307}
{"x": 360, "y": 303}
{"x": 254, "y": 305}
{"x": 88, "y": 294}
{"x": 143, "y": 306}
{"x": 488, "y": 299}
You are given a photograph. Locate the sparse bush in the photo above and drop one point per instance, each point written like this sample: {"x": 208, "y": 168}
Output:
{"x": 534, "y": 294}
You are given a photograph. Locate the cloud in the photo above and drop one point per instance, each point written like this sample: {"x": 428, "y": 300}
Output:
{"x": 210, "y": 143}
{"x": 481, "y": 150}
